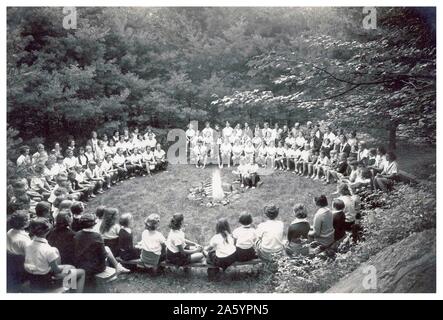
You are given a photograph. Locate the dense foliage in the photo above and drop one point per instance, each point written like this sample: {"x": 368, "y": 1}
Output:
{"x": 165, "y": 66}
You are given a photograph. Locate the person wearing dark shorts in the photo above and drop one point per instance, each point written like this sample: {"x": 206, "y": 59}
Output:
{"x": 179, "y": 250}
{"x": 245, "y": 238}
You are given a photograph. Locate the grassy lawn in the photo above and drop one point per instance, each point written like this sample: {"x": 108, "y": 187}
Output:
{"x": 166, "y": 193}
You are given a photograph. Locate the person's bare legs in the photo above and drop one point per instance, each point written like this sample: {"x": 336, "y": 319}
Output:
{"x": 118, "y": 267}
{"x": 197, "y": 257}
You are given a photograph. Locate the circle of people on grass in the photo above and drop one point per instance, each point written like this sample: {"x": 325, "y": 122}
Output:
{"x": 87, "y": 242}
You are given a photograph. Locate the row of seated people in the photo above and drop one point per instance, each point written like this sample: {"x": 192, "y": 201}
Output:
{"x": 265, "y": 144}
{"x": 84, "y": 243}
{"x": 305, "y": 150}
{"x": 79, "y": 178}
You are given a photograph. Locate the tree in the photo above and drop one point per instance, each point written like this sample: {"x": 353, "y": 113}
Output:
{"x": 385, "y": 78}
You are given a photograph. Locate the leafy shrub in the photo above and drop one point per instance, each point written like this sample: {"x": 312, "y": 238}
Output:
{"x": 386, "y": 220}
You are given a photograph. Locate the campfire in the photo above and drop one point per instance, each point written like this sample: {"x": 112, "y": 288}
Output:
{"x": 213, "y": 192}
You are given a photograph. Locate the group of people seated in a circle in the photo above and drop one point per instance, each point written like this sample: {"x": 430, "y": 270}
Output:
{"x": 83, "y": 244}
{"x": 50, "y": 236}
{"x": 315, "y": 151}
{"x": 81, "y": 173}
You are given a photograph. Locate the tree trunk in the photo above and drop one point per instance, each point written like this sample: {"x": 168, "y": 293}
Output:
{"x": 393, "y": 136}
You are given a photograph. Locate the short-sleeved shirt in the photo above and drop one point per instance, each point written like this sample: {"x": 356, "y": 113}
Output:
{"x": 159, "y": 155}
{"x": 175, "y": 238}
{"x": 223, "y": 248}
{"x": 70, "y": 162}
{"x": 37, "y": 183}
{"x": 17, "y": 241}
{"x": 152, "y": 241}
{"x": 39, "y": 255}
{"x": 271, "y": 235}
{"x": 245, "y": 237}
{"x": 390, "y": 168}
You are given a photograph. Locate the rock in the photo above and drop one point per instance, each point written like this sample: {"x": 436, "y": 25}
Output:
{"x": 408, "y": 266}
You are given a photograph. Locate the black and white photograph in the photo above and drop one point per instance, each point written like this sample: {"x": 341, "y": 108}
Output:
{"x": 196, "y": 149}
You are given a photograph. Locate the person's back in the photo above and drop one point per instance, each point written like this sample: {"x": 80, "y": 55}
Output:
{"x": 271, "y": 235}
{"x": 299, "y": 228}
{"x": 63, "y": 240}
{"x": 349, "y": 209}
{"x": 339, "y": 222}
{"x": 324, "y": 227}
{"x": 90, "y": 253}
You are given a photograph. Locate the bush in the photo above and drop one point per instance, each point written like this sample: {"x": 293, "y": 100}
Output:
{"x": 386, "y": 220}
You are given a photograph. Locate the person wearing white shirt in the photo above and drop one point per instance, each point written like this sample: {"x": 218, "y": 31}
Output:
{"x": 208, "y": 136}
{"x": 42, "y": 260}
{"x": 151, "y": 142}
{"x": 107, "y": 169}
{"x": 386, "y": 178}
{"x": 200, "y": 154}
{"x": 119, "y": 162}
{"x": 237, "y": 151}
{"x": 149, "y": 160}
{"x": 300, "y": 141}
{"x": 24, "y": 159}
{"x": 225, "y": 150}
{"x": 17, "y": 238}
{"x": 270, "y": 234}
{"x": 261, "y": 155}
{"x": 227, "y": 131}
{"x": 221, "y": 251}
{"x": 179, "y": 250}
{"x": 160, "y": 158}
{"x": 17, "y": 241}
{"x": 152, "y": 243}
{"x": 190, "y": 134}
{"x": 93, "y": 176}
{"x": 245, "y": 237}
{"x": 70, "y": 161}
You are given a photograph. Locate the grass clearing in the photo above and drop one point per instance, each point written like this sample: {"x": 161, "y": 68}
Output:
{"x": 166, "y": 193}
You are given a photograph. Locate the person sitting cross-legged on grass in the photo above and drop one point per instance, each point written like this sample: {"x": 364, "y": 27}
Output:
{"x": 127, "y": 251}
{"x": 42, "y": 260}
{"x": 270, "y": 234}
{"x": 221, "y": 251}
{"x": 179, "y": 250}
{"x": 241, "y": 171}
{"x": 108, "y": 170}
{"x": 251, "y": 177}
{"x": 160, "y": 158}
{"x": 93, "y": 176}
{"x": 298, "y": 232}
{"x": 200, "y": 154}
{"x": 245, "y": 237}
{"x": 152, "y": 243}
{"x": 119, "y": 162}
{"x": 148, "y": 160}
{"x": 85, "y": 188}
